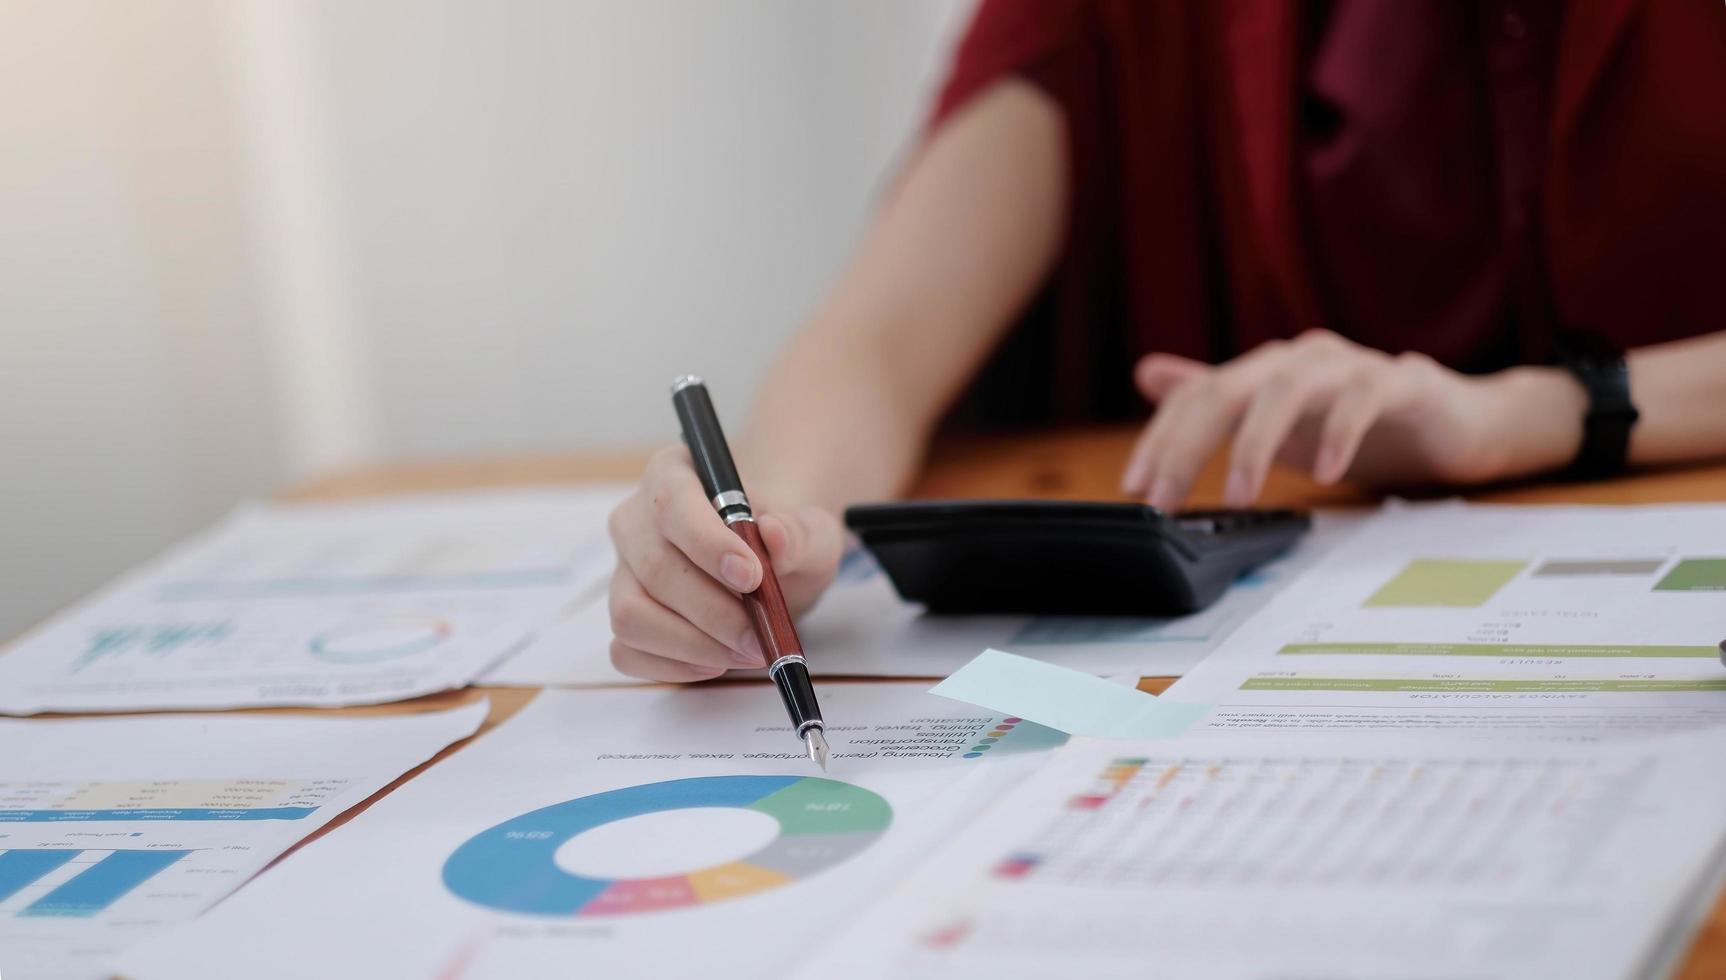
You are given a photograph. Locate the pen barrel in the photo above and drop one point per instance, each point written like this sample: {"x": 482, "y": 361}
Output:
{"x": 766, "y": 605}
{"x": 706, "y": 440}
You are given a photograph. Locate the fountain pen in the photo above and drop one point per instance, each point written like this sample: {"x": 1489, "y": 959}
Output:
{"x": 766, "y": 605}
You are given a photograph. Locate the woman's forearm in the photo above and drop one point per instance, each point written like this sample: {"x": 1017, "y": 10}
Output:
{"x": 830, "y": 426}
{"x": 968, "y": 234}
{"x": 1680, "y": 389}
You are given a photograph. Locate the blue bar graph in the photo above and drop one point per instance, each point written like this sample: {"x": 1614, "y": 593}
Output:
{"x": 103, "y": 883}
{"x": 20, "y": 869}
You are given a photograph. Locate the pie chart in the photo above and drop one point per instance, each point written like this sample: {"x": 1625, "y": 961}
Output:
{"x": 369, "y": 643}
{"x": 512, "y": 867}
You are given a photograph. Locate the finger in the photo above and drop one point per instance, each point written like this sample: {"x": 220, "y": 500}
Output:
{"x": 1141, "y": 466}
{"x": 646, "y": 666}
{"x": 643, "y": 622}
{"x": 1195, "y": 427}
{"x": 1142, "y": 461}
{"x": 683, "y": 515}
{"x": 1351, "y": 415}
{"x": 785, "y": 541}
{"x": 1162, "y": 377}
{"x": 812, "y": 542}
{"x": 666, "y": 577}
{"x": 802, "y": 540}
{"x": 1158, "y": 374}
{"x": 1136, "y": 477}
{"x": 805, "y": 547}
{"x": 1276, "y": 405}
{"x": 1205, "y": 413}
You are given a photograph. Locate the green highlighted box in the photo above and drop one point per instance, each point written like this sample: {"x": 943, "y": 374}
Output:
{"x": 1695, "y": 575}
{"x": 1502, "y": 650}
{"x": 1462, "y": 685}
{"x": 1458, "y": 583}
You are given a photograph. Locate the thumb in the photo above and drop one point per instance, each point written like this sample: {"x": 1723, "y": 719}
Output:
{"x": 1158, "y": 374}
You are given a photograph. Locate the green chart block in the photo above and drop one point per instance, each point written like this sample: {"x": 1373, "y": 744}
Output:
{"x": 1695, "y": 575}
{"x": 1445, "y": 582}
{"x": 825, "y": 806}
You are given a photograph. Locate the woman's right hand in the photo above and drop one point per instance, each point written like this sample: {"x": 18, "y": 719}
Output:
{"x": 675, "y": 613}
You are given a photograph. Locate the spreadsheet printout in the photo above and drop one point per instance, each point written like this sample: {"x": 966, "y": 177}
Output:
{"x": 1251, "y": 858}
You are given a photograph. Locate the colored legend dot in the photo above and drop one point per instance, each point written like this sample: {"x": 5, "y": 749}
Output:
{"x": 1011, "y": 721}
{"x": 973, "y": 755}
{"x": 981, "y": 747}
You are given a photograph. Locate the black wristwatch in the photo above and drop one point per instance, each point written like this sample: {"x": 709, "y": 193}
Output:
{"x": 1598, "y": 365}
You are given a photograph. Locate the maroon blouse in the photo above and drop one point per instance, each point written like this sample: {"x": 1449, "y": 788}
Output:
{"x": 1458, "y": 179}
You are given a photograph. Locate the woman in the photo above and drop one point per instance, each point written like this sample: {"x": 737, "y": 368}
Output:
{"x": 1390, "y": 241}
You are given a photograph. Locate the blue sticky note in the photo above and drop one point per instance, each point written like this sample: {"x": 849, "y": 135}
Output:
{"x": 1069, "y": 700}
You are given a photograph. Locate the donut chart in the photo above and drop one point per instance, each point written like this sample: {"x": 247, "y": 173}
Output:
{"x": 512, "y": 867}
{"x": 369, "y": 643}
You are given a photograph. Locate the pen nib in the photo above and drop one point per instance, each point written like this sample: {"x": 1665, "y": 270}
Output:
{"x": 816, "y": 743}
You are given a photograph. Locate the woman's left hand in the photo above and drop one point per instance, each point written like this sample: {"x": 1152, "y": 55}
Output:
{"x": 1334, "y": 408}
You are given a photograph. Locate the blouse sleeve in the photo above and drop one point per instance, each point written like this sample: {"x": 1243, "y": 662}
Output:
{"x": 1046, "y": 368}
{"x": 1024, "y": 38}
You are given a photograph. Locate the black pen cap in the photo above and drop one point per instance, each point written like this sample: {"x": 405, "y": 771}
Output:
{"x": 704, "y": 437}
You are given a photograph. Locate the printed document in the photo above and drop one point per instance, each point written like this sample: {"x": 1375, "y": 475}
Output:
{"x": 320, "y": 604}
{"x": 112, "y": 830}
{"x": 1253, "y": 858}
{"x": 630, "y": 833}
{"x": 1583, "y": 620}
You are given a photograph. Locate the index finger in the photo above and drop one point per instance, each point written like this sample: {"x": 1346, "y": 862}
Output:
{"x": 680, "y": 510}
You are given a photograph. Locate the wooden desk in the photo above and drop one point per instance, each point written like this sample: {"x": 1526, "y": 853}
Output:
{"x": 1083, "y": 465}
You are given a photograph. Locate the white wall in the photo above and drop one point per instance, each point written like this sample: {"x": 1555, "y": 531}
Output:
{"x": 241, "y": 240}
{"x": 130, "y": 374}
{"x": 554, "y": 208}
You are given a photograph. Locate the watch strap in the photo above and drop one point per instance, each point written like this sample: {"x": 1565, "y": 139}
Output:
{"x": 1599, "y": 366}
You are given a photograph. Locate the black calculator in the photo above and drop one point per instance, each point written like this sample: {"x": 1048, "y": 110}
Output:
{"x": 1070, "y": 558}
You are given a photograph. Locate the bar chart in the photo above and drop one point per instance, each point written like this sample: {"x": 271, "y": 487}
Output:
{"x": 97, "y": 879}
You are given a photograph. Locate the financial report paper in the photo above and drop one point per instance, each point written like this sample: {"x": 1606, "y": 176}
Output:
{"x": 113, "y": 830}
{"x": 619, "y": 834}
{"x": 1489, "y": 619}
{"x": 1260, "y": 858}
{"x": 320, "y": 604}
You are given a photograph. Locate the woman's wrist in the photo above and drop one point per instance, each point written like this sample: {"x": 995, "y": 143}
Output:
{"x": 1536, "y": 420}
